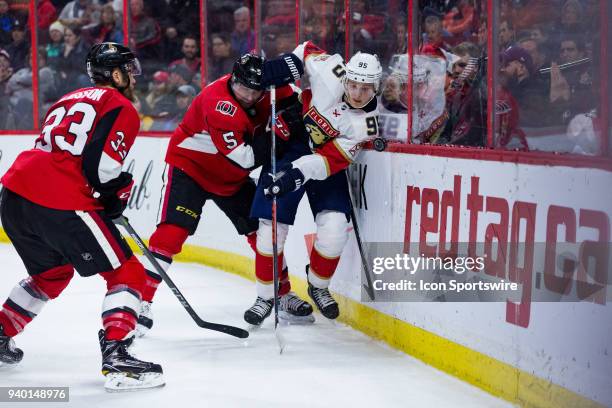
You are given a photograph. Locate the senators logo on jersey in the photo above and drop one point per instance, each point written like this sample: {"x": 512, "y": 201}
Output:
{"x": 226, "y": 108}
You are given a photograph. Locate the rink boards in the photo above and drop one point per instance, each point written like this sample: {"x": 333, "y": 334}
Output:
{"x": 538, "y": 354}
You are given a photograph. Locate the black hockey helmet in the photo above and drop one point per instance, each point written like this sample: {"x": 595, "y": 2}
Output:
{"x": 104, "y": 57}
{"x": 248, "y": 70}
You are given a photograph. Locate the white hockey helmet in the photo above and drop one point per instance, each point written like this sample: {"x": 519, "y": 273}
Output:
{"x": 364, "y": 68}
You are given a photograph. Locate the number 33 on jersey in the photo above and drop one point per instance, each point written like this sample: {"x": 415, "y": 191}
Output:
{"x": 84, "y": 140}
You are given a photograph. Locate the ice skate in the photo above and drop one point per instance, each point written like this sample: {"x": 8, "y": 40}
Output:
{"x": 294, "y": 310}
{"x": 323, "y": 299}
{"x": 9, "y": 354}
{"x": 125, "y": 372}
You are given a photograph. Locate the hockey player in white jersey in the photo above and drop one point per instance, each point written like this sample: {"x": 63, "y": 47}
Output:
{"x": 339, "y": 114}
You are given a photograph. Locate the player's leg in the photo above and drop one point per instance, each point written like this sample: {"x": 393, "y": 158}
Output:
{"x": 49, "y": 273}
{"x": 329, "y": 200}
{"x": 109, "y": 255}
{"x": 179, "y": 215}
{"x": 292, "y": 307}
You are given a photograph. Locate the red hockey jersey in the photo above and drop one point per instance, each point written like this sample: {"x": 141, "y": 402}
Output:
{"x": 97, "y": 123}
{"x": 209, "y": 144}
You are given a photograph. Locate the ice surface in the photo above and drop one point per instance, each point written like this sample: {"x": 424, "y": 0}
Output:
{"x": 324, "y": 365}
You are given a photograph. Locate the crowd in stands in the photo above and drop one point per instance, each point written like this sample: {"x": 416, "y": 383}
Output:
{"x": 547, "y": 78}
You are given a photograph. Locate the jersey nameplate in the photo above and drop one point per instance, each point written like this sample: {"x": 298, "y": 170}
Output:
{"x": 226, "y": 108}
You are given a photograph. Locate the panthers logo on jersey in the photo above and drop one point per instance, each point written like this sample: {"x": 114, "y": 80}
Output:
{"x": 318, "y": 127}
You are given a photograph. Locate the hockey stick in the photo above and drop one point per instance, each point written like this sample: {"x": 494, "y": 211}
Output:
{"x": 231, "y": 330}
{"x": 279, "y": 339}
{"x": 369, "y": 288}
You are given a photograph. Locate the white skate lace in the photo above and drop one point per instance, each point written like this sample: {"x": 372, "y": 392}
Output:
{"x": 260, "y": 307}
{"x": 291, "y": 302}
{"x": 323, "y": 297}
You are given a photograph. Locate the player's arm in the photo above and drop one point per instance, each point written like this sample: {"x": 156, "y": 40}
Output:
{"x": 103, "y": 157}
{"x": 332, "y": 157}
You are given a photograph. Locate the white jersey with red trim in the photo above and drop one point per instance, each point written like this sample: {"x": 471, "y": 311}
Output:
{"x": 337, "y": 131}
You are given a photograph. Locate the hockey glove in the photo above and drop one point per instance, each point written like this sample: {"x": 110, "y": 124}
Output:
{"x": 288, "y": 181}
{"x": 290, "y": 123}
{"x": 282, "y": 70}
{"x": 116, "y": 194}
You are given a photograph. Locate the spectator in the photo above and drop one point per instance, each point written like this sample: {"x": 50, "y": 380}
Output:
{"x": 572, "y": 18}
{"x": 541, "y": 35}
{"x": 223, "y": 57}
{"x": 171, "y": 44}
{"x": 243, "y": 37}
{"x": 506, "y": 35}
{"x": 466, "y": 96}
{"x": 570, "y": 89}
{"x": 79, "y": 13}
{"x": 71, "y": 65}
{"x": 145, "y": 34}
{"x": 399, "y": 44}
{"x": 19, "y": 48}
{"x": 394, "y": 94}
{"x": 46, "y": 14}
{"x": 179, "y": 75}
{"x": 7, "y": 19}
{"x": 6, "y": 71}
{"x": 190, "y": 58}
{"x": 184, "y": 96}
{"x": 159, "y": 102}
{"x": 55, "y": 48}
{"x": 146, "y": 121}
{"x": 19, "y": 91}
{"x": 481, "y": 35}
{"x": 433, "y": 39}
{"x": 539, "y": 58}
{"x": 107, "y": 30}
{"x": 518, "y": 79}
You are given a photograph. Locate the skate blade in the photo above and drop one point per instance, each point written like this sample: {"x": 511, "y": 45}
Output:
{"x": 120, "y": 382}
{"x": 8, "y": 366}
{"x": 141, "y": 331}
{"x": 289, "y": 319}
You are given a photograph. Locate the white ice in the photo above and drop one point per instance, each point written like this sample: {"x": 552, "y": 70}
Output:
{"x": 324, "y": 365}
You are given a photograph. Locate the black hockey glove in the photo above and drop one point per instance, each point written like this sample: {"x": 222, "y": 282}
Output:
{"x": 282, "y": 70}
{"x": 115, "y": 194}
{"x": 289, "y": 180}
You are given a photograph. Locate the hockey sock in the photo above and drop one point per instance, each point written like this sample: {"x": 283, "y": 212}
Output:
{"x": 166, "y": 241}
{"x": 264, "y": 259}
{"x": 322, "y": 269}
{"x": 29, "y": 296}
{"x": 252, "y": 240}
{"x": 265, "y": 275}
{"x": 122, "y": 300}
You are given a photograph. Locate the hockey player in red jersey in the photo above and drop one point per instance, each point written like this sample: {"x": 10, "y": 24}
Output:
{"x": 339, "y": 115}
{"x": 57, "y": 207}
{"x": 210, "y": 155}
